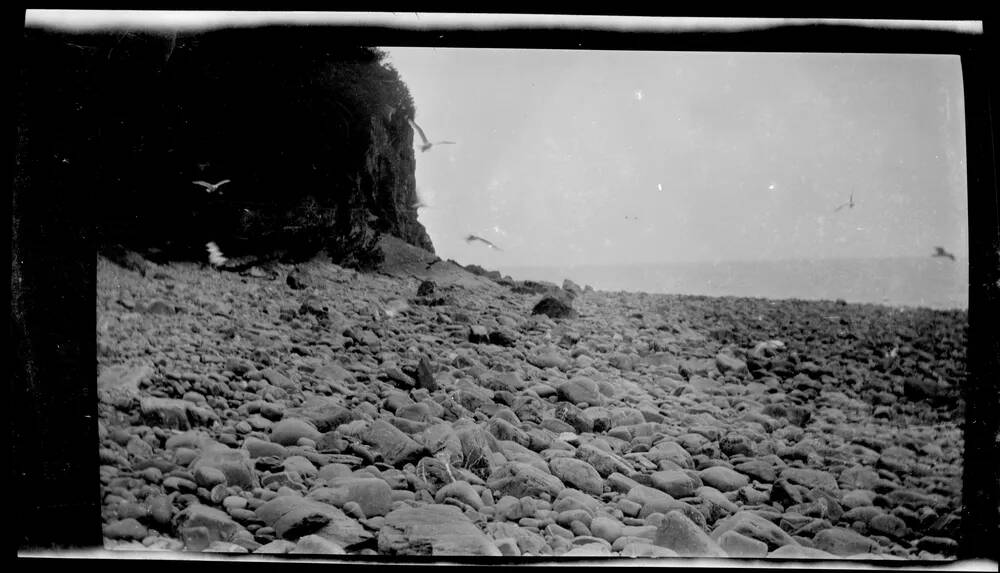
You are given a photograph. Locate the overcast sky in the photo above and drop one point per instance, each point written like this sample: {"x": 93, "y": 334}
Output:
{"x": 591, "y": 157}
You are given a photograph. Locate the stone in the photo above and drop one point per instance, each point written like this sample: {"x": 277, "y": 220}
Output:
{"x": 165, "y": 412}
{"x": 723, "y": 478}
{"x": 261, "y": 449}
{"x": 225, "y": 547}
{"x": 433, "y": 529}
{"x": 214, "y": 524}
{"x": 314, "y": 544}
{"x": 425, "y": 375}
{"x": 553, "y": 307}
{"x": 548, "y": 358}
{"x": 739, "y": 545}
{"x": 462, "y": 491}
{"x": 372, "y": 494}
{"x": 323, "y": 413}
{"x": 288, "y": 431}
{"x": 128, "y": 528}
{"x": 235, "y": 465}
{"x": 843, "y": 542}
{"x": 794, "y": 551}
{"x": 520, "y": 479}
{"x": 888, "y": 525}
{"x": 606, "y": 463}
{"x": 124, "y": 379}
{"x": 728, "y": 364}
{"x": 580, "y": 390}
{"x": 578, "y": 474}
{"x": 675, "y": 482}
{"x": 528, "y": 542}
{"x": 395, "y": 446}
{"x": 294, "y": 516}
{"x": 278, "y": 546}
{"x": 672, "y": 451}
{"x": 759, "y": 470}
{"x": 735, "y": 443}
{"x": 811, "y": 478}
{"x": 754, "y": 526}
{"x": 678, "y": 533}
{"x": 208, "y": 477}
{"x": 606, "y": 528}
{"x": 570, "y": 498}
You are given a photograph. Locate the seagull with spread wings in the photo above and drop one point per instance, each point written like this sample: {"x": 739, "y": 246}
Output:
{"x": 849, "y": 204}
{"x": 471, "y": 238}
{"x": 940, "y": 252}
{"x": 211, "y": 187}
{"x": 426, "y": 145}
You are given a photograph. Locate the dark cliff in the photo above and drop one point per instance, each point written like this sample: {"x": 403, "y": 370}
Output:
{"x": 310, "y": 129}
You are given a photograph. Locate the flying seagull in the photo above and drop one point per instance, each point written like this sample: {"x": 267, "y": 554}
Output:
{"x": 471, "y": 238}
{"x": 849, "y": 204}
{"x": 426, "y": 145}
{"x": 211, "y": 187}
{"x": 940, "y": 252}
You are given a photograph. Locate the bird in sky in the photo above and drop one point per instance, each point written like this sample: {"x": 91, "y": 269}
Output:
{"x": 849, "y": 204}
{"x": 426, "y": 145}
{"x": 940, "y": 252}
{"x": 471, "y": 238}
{"x": 211, "y": 187}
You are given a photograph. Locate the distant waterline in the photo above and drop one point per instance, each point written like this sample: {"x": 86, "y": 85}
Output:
{"x": 932, "y": 282}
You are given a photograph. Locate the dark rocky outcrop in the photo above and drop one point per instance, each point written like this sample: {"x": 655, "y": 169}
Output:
{"x": 310, "y": 129}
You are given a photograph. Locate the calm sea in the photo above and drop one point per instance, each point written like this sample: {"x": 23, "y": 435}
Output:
{"x": 906, "y": 281}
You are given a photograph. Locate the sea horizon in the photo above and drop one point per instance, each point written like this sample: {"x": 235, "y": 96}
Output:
{"x": 911, "y": 281}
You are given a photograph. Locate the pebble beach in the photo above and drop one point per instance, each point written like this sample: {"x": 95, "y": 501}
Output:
{"x": 313, "y": 409}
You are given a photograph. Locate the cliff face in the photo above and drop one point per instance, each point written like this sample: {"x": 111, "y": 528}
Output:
{"x": 310, "y": 132}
